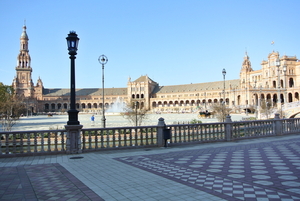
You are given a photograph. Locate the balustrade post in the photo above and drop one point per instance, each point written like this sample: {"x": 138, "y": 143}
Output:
{"x": 160, "y": 130}
{"x": 277, "y": 126}
{"x": 73, "y": 144}
{"x": 228, "y": 128}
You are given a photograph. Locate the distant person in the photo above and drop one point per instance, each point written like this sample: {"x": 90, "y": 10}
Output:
{"x": 93, "y": 120}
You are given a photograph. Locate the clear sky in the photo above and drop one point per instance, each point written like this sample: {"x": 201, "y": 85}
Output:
{"x": 172, "y": 41}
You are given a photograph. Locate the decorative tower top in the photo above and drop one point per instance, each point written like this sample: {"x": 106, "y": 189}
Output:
{"x": 23, "y": 83}
{"x": 246, "y": 66}
{"x": 23, "y": 60}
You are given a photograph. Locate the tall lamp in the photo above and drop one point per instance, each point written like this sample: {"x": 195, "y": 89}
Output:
{"x": 224, "y": 101}
{"x": 278, "y": 85}
{"x": 72, "y": 41}
{"x": 103, "y": 60}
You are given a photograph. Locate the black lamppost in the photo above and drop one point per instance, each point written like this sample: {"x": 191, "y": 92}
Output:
{"x": 103, "y": 60}
{"x": 72, "y": 41}
{"x": 278, "y": 84}
{"x": 224, "y": 101}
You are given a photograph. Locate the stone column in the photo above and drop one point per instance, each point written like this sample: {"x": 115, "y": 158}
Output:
{"x": 277, "y": 125}
{"x": 73, "y": 144}
{"x": 228, "y": 128}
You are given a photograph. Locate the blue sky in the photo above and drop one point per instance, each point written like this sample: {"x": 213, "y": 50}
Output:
{"x": 172, "y": 41}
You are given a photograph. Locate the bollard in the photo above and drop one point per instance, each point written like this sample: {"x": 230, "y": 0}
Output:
{"x": 160, "y": 132}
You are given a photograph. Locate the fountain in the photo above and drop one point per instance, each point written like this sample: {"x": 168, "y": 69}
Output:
{"x": 117, "y": 107}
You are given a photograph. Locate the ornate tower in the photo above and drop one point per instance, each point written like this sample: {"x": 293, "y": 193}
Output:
{"x": 245, "y": 71}
{"x": 22, "y": 82}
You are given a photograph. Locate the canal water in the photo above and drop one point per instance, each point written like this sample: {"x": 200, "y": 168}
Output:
{"x": 43, "y": 122}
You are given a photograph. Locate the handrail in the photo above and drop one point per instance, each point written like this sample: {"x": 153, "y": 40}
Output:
{"x": 41, "y": 142}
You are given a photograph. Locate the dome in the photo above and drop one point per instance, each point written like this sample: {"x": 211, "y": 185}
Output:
{"x": 24, "y": 34}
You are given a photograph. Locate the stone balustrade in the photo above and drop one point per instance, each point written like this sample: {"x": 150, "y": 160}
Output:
{"x": 42, "y": 142}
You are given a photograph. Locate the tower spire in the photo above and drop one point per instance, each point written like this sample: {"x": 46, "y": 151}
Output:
{"x": 23, "y": 82}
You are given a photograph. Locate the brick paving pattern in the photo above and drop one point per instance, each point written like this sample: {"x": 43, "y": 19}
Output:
{"x": 260, "y": 171}
{"x": 42, "y": 182}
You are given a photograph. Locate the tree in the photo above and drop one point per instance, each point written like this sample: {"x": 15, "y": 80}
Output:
{"x": 266, "y": 108}
{"x": 220, "y": 111}
{"x": 133, "y": 114}
{"x": 11, "y": 106}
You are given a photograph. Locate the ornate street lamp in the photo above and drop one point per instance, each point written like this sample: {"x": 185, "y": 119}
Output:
{"x": 284, "y": 81}
{"x": 103, "y": 60}
{"x": 224, "y": 101}
{"x": 72, "y": 41}
{"x": 277, "y": 63}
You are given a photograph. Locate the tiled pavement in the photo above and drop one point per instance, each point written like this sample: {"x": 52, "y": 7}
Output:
{"x": 258, "y": 169}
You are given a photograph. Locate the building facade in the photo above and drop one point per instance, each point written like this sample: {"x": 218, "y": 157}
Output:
{"x": 278, "y": 81}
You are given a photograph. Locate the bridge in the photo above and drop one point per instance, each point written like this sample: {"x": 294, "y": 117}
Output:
{"x": 291, "y": 109}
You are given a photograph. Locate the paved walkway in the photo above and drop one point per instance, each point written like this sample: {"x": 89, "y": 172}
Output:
{"x": 258, "y": 169}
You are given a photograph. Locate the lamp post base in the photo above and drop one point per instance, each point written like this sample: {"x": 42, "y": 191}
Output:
{"x": 73, "y": 117}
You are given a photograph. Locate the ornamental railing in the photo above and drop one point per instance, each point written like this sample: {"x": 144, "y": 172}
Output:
{"x": 42, "y": 142}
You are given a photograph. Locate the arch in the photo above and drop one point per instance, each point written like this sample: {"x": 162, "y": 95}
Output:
{"x": 77, "y": 105}
{"x": 255, "y": 99}
{"x": 159, "y": 103}
{"x": 138, "y": 96}
{"x": 215, "y": 100}
{"x": 275, "y": 98}
{"x": 154, "y": 104}
{"x": 165, "y": 104}
{"x": 133, "y": 96}
{"x": 52, "y": 106}
{"x": 65, "y": 105}
{"x": 83, "y": 105}
{"x": 89, "y": 105}
{"x": 290, "y": 97}
{"x": 274, "y": 84}
{"x": 297, "y": 96}
{"x": 282, "y": 98}
{"x": 291, "y": 82}
{"x": 142, "y": 95}
{"x": 95, "y": 105}
{"x": 101, "y": 105}
{"x": 209, "y": 101}
{"x": 137, "y": 105}
{"x": 181, "y": 103}
{"x": 59, "y": 106}
{"x": 47, "y": 106}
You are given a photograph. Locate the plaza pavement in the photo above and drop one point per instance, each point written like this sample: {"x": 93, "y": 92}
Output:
{"x": 257, "y": 169}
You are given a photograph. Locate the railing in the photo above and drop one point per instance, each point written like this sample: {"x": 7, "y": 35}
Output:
{"x": 32, "y": 142}
{"x": 290, "y": 126}
{"x": 251, "y": 129}
{"x": 21, "y": 143}
{"x": 118, "y": 137}
{"x": 188, "y": 133}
